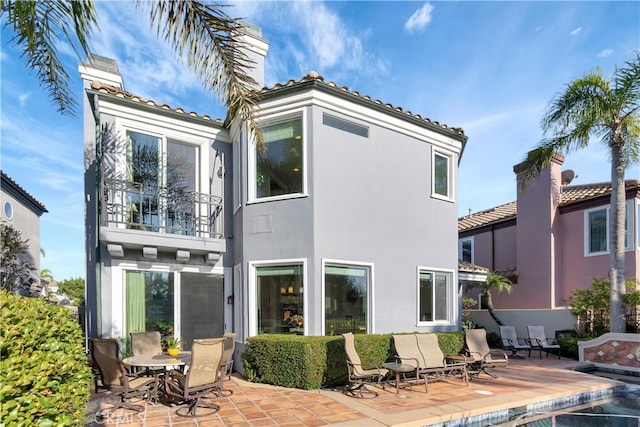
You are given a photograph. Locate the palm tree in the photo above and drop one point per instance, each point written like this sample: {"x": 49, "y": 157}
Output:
{"x": 47, "y": 275}
{"x": 494, "y": 282}
{"x": 607, "y": 109}
{"x": 202, "y": 31}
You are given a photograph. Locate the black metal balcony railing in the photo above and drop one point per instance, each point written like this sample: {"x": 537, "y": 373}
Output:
{"x": 161, "y": 209}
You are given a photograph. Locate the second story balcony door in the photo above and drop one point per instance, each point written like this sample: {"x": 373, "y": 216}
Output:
{"x": 164, "y": 175}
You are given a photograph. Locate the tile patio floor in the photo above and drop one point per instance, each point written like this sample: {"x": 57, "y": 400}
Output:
{"x": 521, "y": 382}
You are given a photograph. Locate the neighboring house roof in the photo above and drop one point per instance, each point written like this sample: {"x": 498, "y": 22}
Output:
{"x": 313, "y": 80}
{"x": 570, "y": 197}
{"x": 12, "y": 188}
{"x": 467, "y": 266}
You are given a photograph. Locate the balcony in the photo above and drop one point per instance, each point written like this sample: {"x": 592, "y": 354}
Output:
{"x": 135, "y": 216}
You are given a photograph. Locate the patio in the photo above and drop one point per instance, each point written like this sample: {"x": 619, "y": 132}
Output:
{"x": 521, "y": 382}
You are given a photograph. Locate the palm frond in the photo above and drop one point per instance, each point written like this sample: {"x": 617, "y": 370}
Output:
{"x": 627, "y": 89}
{"x": 211, "y": 40}
{"x": 38, "y": 28}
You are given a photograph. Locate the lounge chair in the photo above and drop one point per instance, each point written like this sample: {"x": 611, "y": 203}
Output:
{"x": 202, "y": 378}
{"x": 483, "y": 357}
{"x": 510, "y": 341}
{"x": 539, "y": 341}
{"x": 114, "y": 377}
{"x": 423, "y": 352}
{"x": 359, "y": 377}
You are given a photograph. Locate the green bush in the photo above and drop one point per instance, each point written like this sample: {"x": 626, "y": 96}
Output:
{"x": 309, "y": 363}
{"x": 569, "y": 345}
{"x": 44, "y": 376}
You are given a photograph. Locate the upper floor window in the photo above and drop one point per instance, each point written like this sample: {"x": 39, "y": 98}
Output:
{"x": 8, "y": 211}
{"x": 442, "y": 182}
{"x": 279, "y": 171}
{"x": 465, "y": 249}
{"x": 596, "y": 231}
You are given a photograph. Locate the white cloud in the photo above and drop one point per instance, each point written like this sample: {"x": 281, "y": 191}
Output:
{"x": 605, "y": 53}
{"x": 576, "y": 31}
{"x": 22, "y": 99}
{"x": 420, "y": 19}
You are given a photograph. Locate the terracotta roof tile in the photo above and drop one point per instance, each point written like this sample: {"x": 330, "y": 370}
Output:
{"x": 112, "y": 90}
{"x": 570, "y": 195}
{"x": 467, "y": 266}
{"x": 313, "y": 76}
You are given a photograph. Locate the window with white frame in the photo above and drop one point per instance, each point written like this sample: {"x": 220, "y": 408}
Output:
{"x": 278, "y": 171}
{"x": 596, "y": 231}
{"x": 280, "y": 298}
{"x": 441, "y": 171}
{"x": 465, "y": 249}
{"x": 435, "y": 296}
{"x": 347, "y": 298}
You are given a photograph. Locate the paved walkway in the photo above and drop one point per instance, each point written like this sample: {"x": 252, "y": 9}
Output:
{"x": 520, "y": 383}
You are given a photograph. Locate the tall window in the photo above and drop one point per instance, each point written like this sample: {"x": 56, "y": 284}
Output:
{"x": 149, "y": 302}
{"x": 279, "y": 170}
{"x": 465, "y": 249}
{"x": 441, "y": 176}
{"x": 346, "y": 298}
{"x": 280, "y": 295}
{"x": 163, "y": 178}
{"x": 435, "y": 296}
{"x": 596, "y": 231}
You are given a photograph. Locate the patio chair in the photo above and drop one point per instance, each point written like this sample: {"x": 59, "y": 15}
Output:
{"x": 540, "y": 342}
{"x": 510, "y": 341}
{"x": 143, "y": 343}
{"x": 422, "y": 351}
{"x": 358, "y": 377}
{"x": 202, "y": 378}
{"x": 227, "y": 354}
{"x": 483, "y": 357}
{"x": 114, "y": 377}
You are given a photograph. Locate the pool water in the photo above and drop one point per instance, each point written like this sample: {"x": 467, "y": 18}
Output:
{"x": 622, "y": 409}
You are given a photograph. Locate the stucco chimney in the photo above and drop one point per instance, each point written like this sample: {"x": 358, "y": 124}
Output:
{"x": 256, "y": 48}
{"x": 537, "y": 207}
{"x": 102, "y": 69}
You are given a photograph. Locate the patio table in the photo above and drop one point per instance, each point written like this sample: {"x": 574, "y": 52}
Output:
{"x": 160, "y": 360}
{"x": 397, "y": 369}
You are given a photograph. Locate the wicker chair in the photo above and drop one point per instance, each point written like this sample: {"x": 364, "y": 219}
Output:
{"x": 114, "y": 377}
{"x": 202, "y": 379}
{"x": 358, "y": 377}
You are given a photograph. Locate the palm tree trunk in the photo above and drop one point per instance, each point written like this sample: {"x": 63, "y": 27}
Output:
{"x": 492, "y": 312}
{"x": 616, "y": 236}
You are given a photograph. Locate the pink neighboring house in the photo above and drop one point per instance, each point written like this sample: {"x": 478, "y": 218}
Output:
{"x": 552, "y": 241}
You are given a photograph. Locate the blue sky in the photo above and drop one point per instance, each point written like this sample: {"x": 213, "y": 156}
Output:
{"x": 488, "y": 67}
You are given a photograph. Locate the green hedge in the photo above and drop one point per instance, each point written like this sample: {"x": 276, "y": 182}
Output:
{"x": 44, "y": 376}
{"x": 310, "y": 363}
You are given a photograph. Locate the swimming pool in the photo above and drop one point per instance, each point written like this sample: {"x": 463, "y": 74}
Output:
{"x": 621, "y": 409}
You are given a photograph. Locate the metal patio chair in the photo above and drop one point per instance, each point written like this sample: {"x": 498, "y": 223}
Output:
{"x": 483, "y": 356}
{"x": 540, "y": 342}
{"x": 511, "y": 341}
{"x": 359, "y": 377}
{"x": 202, "y": 380}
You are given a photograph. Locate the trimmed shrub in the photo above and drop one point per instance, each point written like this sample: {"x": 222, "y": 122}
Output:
{"x": 44, "y": 376}
{"x": 312, "y": 362}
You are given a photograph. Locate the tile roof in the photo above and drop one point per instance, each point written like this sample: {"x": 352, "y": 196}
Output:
{"x": 8, "y": 184}
{"x": 112, "y": 90}
{"x": 313, "y": 76}
{"x": 467, "y": 266}
{"x": 569, "y": 196}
